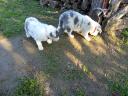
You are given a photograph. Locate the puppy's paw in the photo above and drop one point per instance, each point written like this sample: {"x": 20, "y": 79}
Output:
{"x": 56, "y": 39}
{"x": 95, "y": 34}
{"x": 27, "y": 35}
{"x": 87, "y": 38}
{"x": 71, "y": 36}
{"x": 49, "y": 41}
{"x": 41, "y": 48}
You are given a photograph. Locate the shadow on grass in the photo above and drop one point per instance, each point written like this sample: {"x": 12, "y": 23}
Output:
{"x": 92, "y": 63}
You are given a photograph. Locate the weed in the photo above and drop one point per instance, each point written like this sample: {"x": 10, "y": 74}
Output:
{"x": 79, "y": 92}
{"x": 53, "y": 66}
{"x": 73, "y": 74}
{"x": 119, "y": 87}
{"x": 28, "y": 87}
{"x": 125, "y": 36}
{"x": 125, "y": 32}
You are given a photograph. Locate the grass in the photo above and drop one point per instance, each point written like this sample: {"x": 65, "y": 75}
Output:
{"x": 12, "y": 16}
{"x": 14, "y": 12}
{"x": 80, "y": 92}
{"x": 125, "y": 36}
{"x": 53, "y": 65}
{"x": 119, "y": 87}
{"x": 54, "y": 68}
{"x": 75, "y": 92}
{"x": 56, "y": 65}
{"x": 28, "y": 87}
{"x": 73, "y": 74}
{"x": 125, "y": 33}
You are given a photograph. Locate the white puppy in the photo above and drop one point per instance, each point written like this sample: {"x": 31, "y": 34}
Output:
{"x": 40, "y": 31}
{"x": 70, "y": 21}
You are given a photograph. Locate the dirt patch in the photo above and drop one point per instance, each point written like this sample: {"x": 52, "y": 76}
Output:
{"x": 17, "y": 57}
{"x": 72, "y": 66}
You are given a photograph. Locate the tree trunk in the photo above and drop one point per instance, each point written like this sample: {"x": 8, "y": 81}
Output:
{"x": 113, "y": 19}
{"x": 117, "y": 19}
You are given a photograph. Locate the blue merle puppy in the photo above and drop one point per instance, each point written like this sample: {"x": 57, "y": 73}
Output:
{"x": 70, "y": 21}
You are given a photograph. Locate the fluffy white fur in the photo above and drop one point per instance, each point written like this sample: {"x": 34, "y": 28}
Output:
{"x": 40, "y": 31}
{"x": 70, "y": 21}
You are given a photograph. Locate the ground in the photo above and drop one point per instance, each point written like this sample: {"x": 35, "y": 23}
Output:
{"x": 69, "y": 67}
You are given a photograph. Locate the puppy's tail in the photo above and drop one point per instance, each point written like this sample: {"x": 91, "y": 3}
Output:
{"x": 27, "y": 22}
{"x": 26, "y": 26}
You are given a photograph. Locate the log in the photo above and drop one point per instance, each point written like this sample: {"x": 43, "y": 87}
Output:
{"x": 80, "y": 5}
{"x": 96, "y": 4}
{"x": 53, "y": 4}
{"x": 84, "y": 4}
{"x": 121, "y": 13}
{"x": 121, "y": 24}
{"x": 113, "y": 7}
{"x": 112, "y": 22}
{"x": 125, "y": 1}
{"x": 98, "y": 10}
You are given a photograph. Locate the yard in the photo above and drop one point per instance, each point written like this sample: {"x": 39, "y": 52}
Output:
{"x": 69, "y": 67}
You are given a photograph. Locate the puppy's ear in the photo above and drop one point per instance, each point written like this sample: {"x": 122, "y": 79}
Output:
{"x": 59, "y": 32}
{"x": 51, "y": 34}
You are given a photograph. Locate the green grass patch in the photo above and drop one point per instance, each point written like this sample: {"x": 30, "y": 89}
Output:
{"x": 53, "y": 66}
{"x": 28, "y": 87}
{"x": 119, "y": 87}
{"x": 73, "y": 74}
{"x": 125, "y": 36}
{"x": 75, "y": 91}
{"x": 79, "y": 92}
{"x": 14, "y": 12}
{"x": 125, "y": 33}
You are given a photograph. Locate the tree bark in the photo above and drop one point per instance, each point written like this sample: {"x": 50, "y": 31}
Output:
{"x": 116, "y": 20}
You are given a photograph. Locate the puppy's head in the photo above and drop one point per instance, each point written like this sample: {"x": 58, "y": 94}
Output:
{"x": 97, "y": 29}
{"x": 54, "y": 34}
